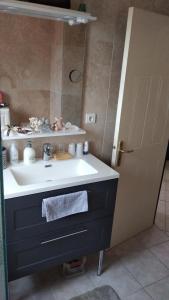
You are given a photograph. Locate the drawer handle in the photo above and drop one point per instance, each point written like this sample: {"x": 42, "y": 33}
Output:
{"x": 63, "y": 237}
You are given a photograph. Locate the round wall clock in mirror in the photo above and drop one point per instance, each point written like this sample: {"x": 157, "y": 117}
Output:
{"x": 75, "y": 76}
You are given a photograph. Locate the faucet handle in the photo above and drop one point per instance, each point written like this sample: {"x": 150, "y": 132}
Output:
{"x": 47, "y": 146}
{"x": 48, "y": 149}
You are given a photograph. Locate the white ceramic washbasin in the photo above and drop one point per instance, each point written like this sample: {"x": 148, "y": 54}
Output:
{"x": 42, "y": 172}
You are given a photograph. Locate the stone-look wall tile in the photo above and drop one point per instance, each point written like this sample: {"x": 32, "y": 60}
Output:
{"x": 55, "y": 105}
{"x": 96, "y": 89}
{"x": 56, "y": 71}
{"x": 75, "y": 4}
{"x": 108, "y": 141}
{"x": 27, "y": 103}
{"x": 149, "y": 5}
{"x": 73, "y": 58}
{"x": 26, "y": 51}
{"x": 74, "y": 36}
{"x": 161, "y": 6}
{"x": 56, "y": 61}
{"x": 25, "y": 67}
{"x": 113, "y": 96}
{"x": 38, "y": 56}
{"x": 96, "y": 137}
{"x": 71, "y": 108}
{"x": 101, "y": 54}
{"x": 99, "y": 31}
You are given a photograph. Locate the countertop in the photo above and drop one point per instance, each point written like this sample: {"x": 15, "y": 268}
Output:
{"x": 13, "y": 189}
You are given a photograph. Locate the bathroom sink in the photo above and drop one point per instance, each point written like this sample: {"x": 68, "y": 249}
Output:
{"x": 21, "y": 180}
{"x": 41, "y": 172}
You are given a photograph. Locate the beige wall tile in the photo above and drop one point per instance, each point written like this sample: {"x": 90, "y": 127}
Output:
{"x": 71, "y": 109}
{"x": 25, "y": 67}
{"x": 29, "y": 103}
{"x": 73, "y": 59}
{"x": 108, "y": 141}
{"x": 74, "y": 36}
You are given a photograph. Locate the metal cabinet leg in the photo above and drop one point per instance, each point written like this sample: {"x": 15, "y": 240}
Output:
{"x": 100, "y": 265}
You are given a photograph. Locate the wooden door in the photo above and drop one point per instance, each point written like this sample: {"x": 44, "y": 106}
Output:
{"x": 142, "y": 123}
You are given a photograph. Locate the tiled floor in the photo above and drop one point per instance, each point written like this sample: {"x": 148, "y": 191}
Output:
{"x": 137, "y": 269}
{"x": 162, "y": 216}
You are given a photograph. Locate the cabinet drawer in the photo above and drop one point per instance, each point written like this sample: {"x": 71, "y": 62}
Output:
{"x": 38, "y": 253}
{"x": 24, "y": 218}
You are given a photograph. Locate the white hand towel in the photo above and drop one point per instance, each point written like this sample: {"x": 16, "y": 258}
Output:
{"x": 54, "y": 208}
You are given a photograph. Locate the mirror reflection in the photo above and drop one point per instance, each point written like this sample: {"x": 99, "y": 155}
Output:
{"x": 41, "y": 69}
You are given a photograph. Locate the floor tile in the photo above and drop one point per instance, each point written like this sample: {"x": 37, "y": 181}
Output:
{"x": 166, "y": 179}
{"x": 127, "y": 247}
{"x": 159, "y": 290}
{"x": 145, "y": 267}
{"x": 141, "y": 295}
{"x": 41, "y": 295}
{"x": 167, "y": 164}
{"x": 118, "y": 278}
{"x": 22, "y": 288}
{"x": 160, "y": 215}
{"x": 151, "y": 237}
{"x": 167, "y": 189}
{"x": 49, "y": 285}
{"x": 69, "y": 288}
{"x": 162, "y": 252}
{"x": 167, "y": 216}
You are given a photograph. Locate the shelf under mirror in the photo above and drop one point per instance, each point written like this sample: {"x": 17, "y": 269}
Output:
{"x": 43, "y": 135}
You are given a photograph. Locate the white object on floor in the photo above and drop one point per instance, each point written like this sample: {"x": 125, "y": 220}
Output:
{"x": 54, "y": 208}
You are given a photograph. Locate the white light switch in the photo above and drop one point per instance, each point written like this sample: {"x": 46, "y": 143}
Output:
{"x": 90, "y": 118}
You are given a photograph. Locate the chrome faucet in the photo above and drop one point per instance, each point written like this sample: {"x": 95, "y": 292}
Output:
{"x": 47, "y": 151}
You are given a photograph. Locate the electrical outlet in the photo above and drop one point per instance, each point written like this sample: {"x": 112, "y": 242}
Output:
{"x": 90, "y": 118}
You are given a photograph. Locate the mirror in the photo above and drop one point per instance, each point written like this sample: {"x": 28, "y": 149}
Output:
{"x": 38, "y": 62}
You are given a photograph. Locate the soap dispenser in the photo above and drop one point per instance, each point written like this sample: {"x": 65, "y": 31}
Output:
{"x": 29, "y": 154}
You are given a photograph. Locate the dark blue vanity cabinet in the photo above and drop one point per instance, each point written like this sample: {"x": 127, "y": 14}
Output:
{"x": 33, "y": 244}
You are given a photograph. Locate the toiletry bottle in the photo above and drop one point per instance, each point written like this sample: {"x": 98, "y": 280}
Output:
{"x": 72, "y": 149}
{"x": 79, "y": 150}
{"x": 86, "y": 148}
{"x": 13, "y": 154}
{"x": 29, "y": 154}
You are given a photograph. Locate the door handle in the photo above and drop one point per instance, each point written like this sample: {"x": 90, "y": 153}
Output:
{"x": 126, "y": 151}
{"x": 122, "y": 151}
